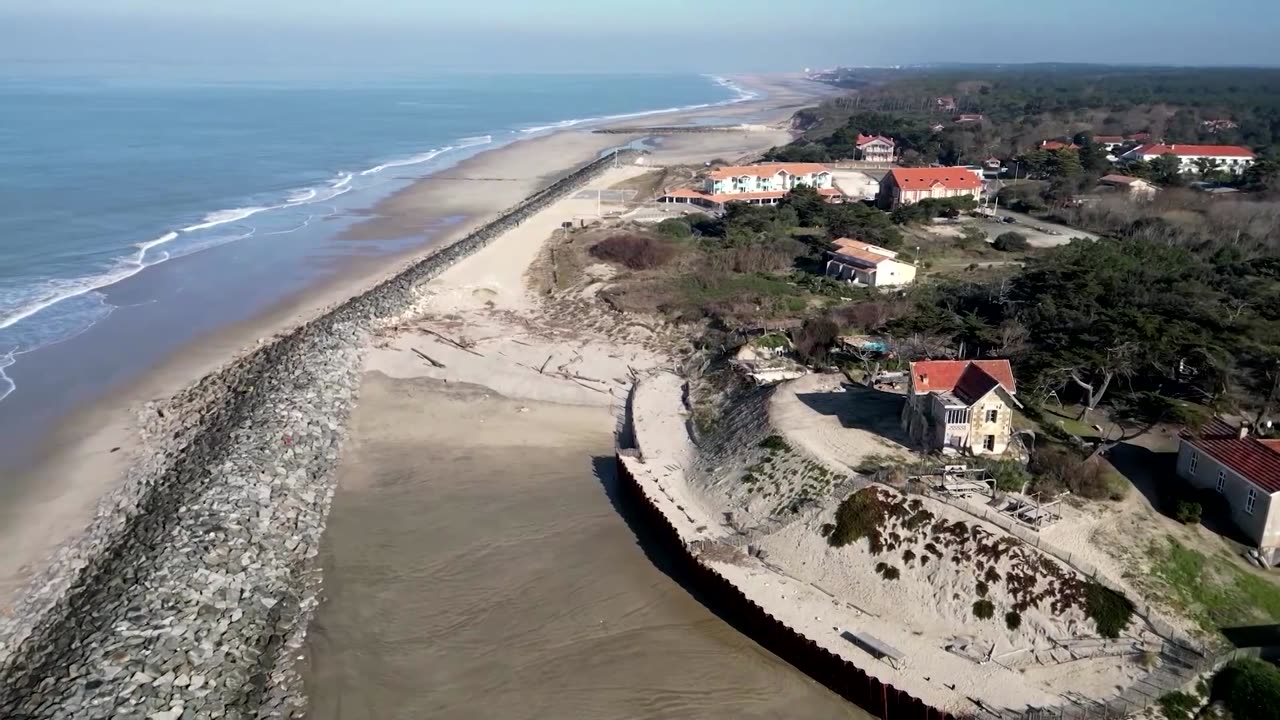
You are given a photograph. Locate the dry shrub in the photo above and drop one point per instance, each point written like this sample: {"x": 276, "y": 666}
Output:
{"x": 759, "y": 258}
{"x": 872, "y": 314}
{"x": 634, "y": 251}
{"x": 1058, "y": 469}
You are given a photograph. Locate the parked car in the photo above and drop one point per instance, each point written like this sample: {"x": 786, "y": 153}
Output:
{"x": 1008, "y": 220}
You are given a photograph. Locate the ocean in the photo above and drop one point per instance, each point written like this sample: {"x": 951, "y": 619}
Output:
{"x": 106, "y": 180}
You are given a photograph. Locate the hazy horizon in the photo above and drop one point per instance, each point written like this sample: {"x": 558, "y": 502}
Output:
{"x": 715, "y": 36}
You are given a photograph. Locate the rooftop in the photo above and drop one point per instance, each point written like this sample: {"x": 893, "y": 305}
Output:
{"x": 1253, "y": 458}
{"x": 954, "y": 178}
{"x": 968, "y": 379}
{"x": 764, "y": 170}
{"x": 1185, "y": 150}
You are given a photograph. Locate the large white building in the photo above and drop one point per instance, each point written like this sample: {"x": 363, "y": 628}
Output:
{"x": 866, "y": 264}
{"x": 762, "y": 184}
{"x": 1231, "y": 158}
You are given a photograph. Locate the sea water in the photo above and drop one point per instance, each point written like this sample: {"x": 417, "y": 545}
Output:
{"x": 103, "y": 178}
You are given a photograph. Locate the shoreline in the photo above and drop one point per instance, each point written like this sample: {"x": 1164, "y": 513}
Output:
{"x": 87, "y": 453}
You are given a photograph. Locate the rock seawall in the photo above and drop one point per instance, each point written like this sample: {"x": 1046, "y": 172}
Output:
{"x": 189, "y": 594}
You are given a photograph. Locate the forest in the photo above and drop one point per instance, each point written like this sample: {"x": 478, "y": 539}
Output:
{"x": 1023, "y": 105}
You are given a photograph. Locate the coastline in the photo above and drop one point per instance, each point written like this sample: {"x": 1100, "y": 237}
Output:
{"x": 87, "y": 454}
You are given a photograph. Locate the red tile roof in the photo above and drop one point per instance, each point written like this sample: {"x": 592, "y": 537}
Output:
{"x": 864, "y": 139}
{"x": 1256, "y": 460}
{"x": 1118, "y": 179}
{"x": 946, "y": 375}
{"x": 953, "y": 178}
{"x": 767, "y": 170}
{"x": 865, "y": 252}
{"x": 1058, "y": 145}
{"x": 1108, "y": 139}
{"x": 1194, "y": 150}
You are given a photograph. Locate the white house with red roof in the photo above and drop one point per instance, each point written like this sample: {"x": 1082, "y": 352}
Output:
{"x": 875, "y": 148}
{"x": 1245, "y": 470}
{"x": 903, "y": 186}
{"x": 961, "y": 406}
{"x": 854, "y": 261}
{"x": 1231, "y": 158}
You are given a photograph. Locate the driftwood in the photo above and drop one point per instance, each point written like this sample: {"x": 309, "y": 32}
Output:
{"x": 426, "y": 357}
{"x": 544, "y": 365}
{"x": 451, "y": 341}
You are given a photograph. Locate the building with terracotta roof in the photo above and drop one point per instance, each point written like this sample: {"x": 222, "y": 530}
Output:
{"x": 961, "y": 406}
{"x": 1245, "y": 470}
{"x": 1232, "y": 158}
{"x": 854, "y": 261}
{"x": 903, "y": 186}
{"x": 1052, "y": 145}
{"x": 1136, "y": 187}
{"x": 875, "y": 148}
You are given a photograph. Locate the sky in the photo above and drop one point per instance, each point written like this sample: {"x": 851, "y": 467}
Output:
{"x": 720, "y": 36}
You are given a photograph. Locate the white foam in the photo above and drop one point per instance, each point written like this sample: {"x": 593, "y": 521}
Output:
{"x": 55, "y": 291}
{"x": 298, "y": 197}
{"x": 743, "y": 96}
{"x": 222, "y": 217}
{"x": 429, "y": 155}
{"x": 6, "y": 383}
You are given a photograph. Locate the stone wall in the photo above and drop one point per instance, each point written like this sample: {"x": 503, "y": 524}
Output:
{"x": 189, "y": 594}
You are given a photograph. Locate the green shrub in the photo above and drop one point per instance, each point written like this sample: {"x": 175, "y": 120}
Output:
{"x": 1011, "y": 242}
{"x": 774, "y": 442}
{"x": 1108, "y": 609}
{"x": 984, "y": 609}
{"x": 887, "y": 571}
{"x": 637, "y": 252}
{"x": 859, "y": 516}
{"x": 676, "y": 228}
{"x": 1178, "y": 705}
{"x": 1250, "y": 689}
{"x": 1188, "y": 512}
{"x": 1013, "y": 620}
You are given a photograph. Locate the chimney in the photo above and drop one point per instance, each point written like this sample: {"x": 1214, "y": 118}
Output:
{"x": 1243, "y": 432}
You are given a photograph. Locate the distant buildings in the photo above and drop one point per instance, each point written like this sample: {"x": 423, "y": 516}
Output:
{"x": 1111, "y": 142}
{"x": 875, "y": 148}
{"x": 1052, "y": 145}
{"x": 1245, "y": 471}
{"x": 945, "y": 103}
{"x": 903, "y": 186}
{"x": 858, "y": 262}
{"x": 969, "y": 118}
{"x": 763, "y": 184}
{"x": 1231, "y": 158}
{"x": 961, "y": 406}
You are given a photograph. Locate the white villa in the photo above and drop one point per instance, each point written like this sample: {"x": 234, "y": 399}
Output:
{"x": 1231, "y": 158}
{"x": 875, "y": 148}
{"x": 866, "y": 264}
{"x": 762, "y": 184}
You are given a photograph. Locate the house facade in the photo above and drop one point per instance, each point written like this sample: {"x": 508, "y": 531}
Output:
{"x": 904, "y": 186}
{"x": 875, "y": 148}
{"x": 854, "y": 261}
{"x": 763, "y": 184}
{"x": 961, "y": 406}
{"x": 1231, "y": 158}
{"x": 766, "y": 177}
{"x": 1245, "y": 470}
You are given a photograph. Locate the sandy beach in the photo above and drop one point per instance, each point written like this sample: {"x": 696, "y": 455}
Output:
{"x": 51, "y": 499}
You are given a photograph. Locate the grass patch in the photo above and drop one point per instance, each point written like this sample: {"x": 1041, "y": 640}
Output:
{"x": 1109, "y": 610}
{"x": 1178, "y": 705}
{"x": 1212, "y": 590}
{"x": 984, "y": 609}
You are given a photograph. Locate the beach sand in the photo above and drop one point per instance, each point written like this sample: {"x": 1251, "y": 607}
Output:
{"x": 476, "y": 567}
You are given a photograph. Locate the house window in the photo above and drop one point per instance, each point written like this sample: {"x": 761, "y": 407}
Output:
{"x": 989, "y": 443}
{"x": 957, "y": 417}
{"x": 1191, "y": 466}
{"x": 992, "y": 415}
{"x": 1222, "y": 480}
{"x": 1250, "y": 500}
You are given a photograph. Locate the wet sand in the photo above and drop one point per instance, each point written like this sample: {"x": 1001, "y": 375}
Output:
{"x": 476, "y": 567}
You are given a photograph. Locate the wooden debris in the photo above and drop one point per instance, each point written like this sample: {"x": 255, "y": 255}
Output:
{"x": 428, "y": 358}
